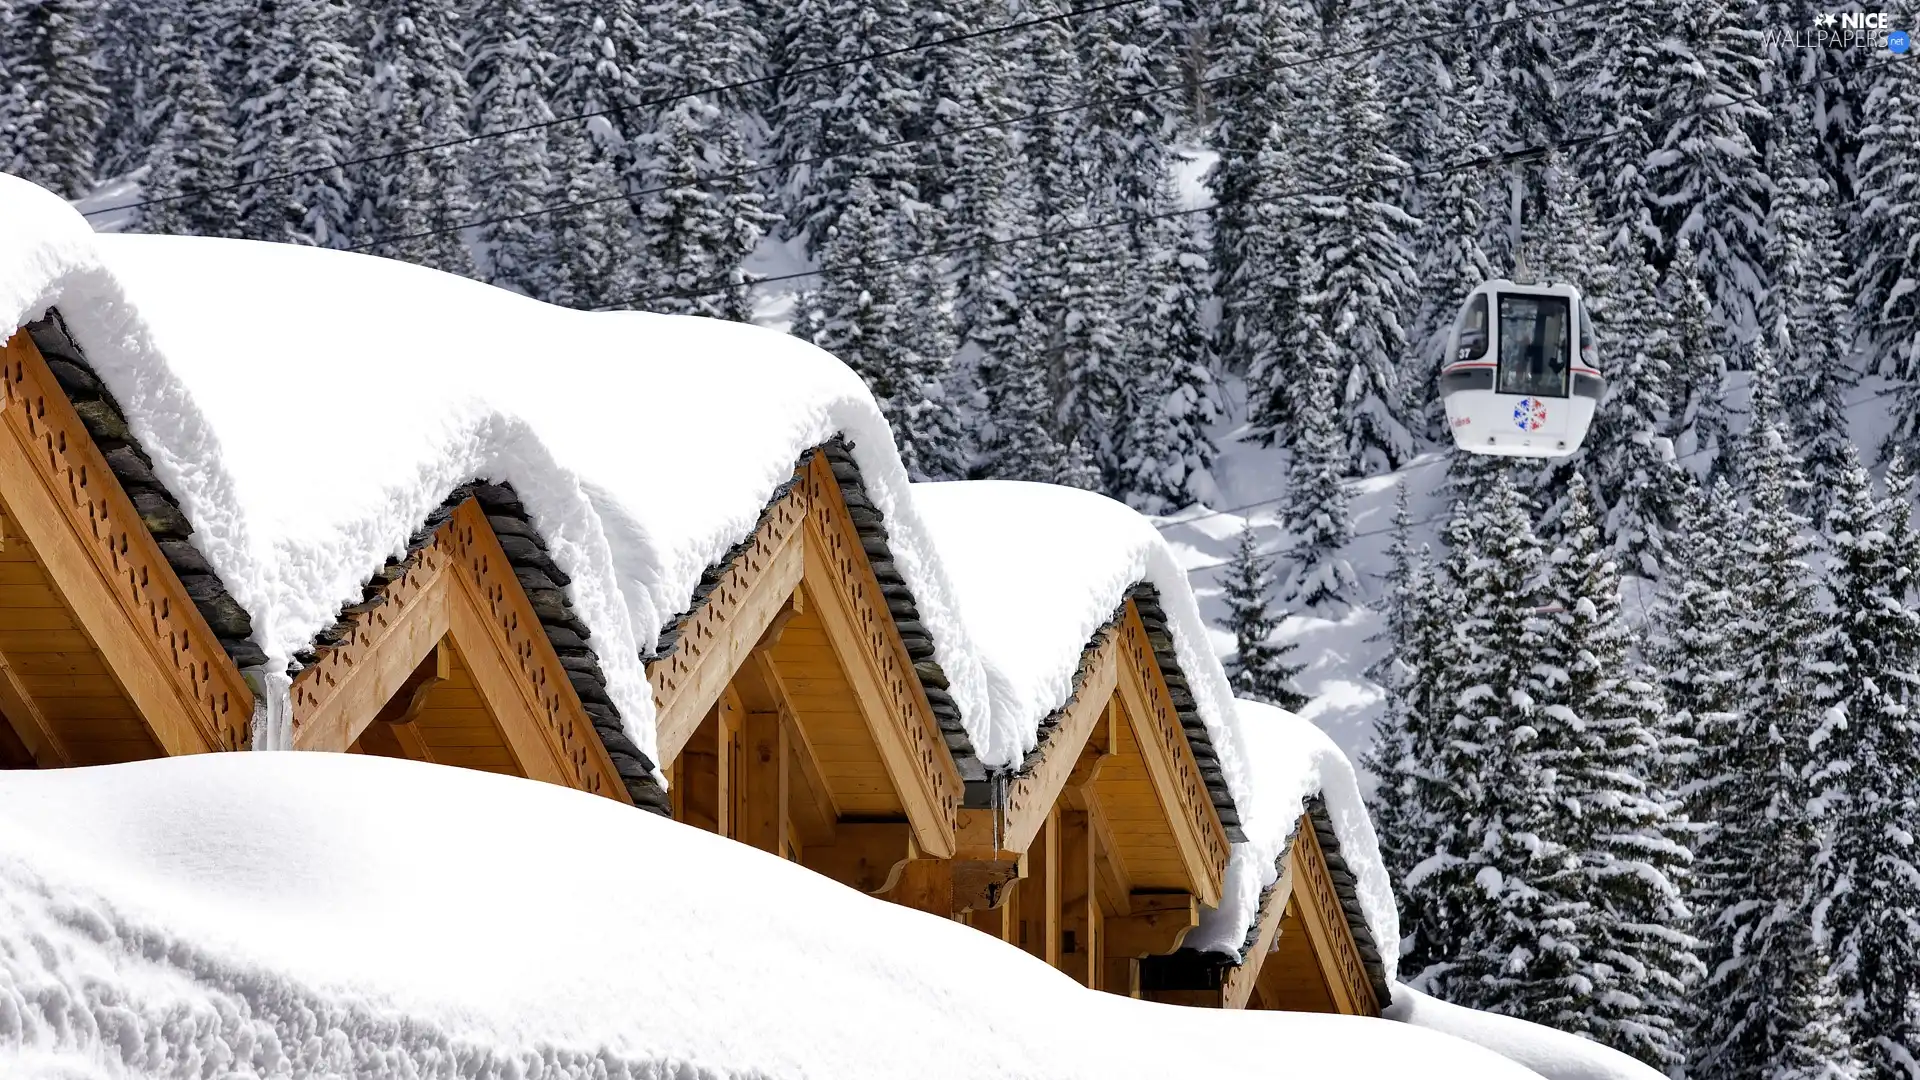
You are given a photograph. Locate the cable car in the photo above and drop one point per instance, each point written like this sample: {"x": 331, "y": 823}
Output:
{"x": 1522, "y": 376}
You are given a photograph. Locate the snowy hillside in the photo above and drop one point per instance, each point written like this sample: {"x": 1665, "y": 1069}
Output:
{"x": 297, "y": 914}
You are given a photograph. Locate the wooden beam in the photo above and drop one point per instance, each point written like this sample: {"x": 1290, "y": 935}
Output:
{"x": 383, "y": 660}
{"x": 37, "y": 736}
{"x": 868, "y": 856}
{"x": 841, "y": 584}
{"x": 1244, "y": 976}
{"x": 1156, "y": 925}
{"x": 762, "y": 689}
{"x": 1327, "y": 927}
{"x": 716, "y": 639}
{"x": 1039, "y": 894}
{"x": 1121, "y": 976}
{"x": 109, "y": 570}
{"x": 1198, "y": 834}
{"x": 1077, "y": 901}
{"x": 766, "y": 781}
{"x": 926, "y": 885}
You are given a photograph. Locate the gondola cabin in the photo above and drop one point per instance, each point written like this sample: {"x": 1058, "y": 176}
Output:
{"x": 1522, "y": 376}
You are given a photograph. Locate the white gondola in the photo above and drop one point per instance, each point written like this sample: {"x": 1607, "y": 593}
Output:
{"x": 1522, "y": 376}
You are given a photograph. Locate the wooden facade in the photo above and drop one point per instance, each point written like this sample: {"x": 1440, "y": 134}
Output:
{"x": 798, "y": 711}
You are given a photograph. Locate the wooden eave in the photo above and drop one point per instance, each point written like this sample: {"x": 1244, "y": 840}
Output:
{"x": 822, "y": 533}
{"x": 66, "y": 498}
{"x": 459, "y": 584}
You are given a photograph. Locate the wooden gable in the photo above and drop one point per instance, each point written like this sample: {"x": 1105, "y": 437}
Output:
{"x": 104, "y": 654}
{"x": 796, "y": 714}
{"x": 1110, "y": 835}
{"x": 449, "y": 661}
{"x": 1304, "y": 954}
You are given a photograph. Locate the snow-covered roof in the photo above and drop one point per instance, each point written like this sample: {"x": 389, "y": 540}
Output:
{"x": 1555, "y": 1055}
{"x": 295, "y": 914}
{"x": 308, "y": 408}
{"x": 1291, "y": 764}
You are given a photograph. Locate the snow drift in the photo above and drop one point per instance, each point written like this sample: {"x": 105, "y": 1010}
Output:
{"x": 254, "y": 914}
{"x": 308, "y": 408}
{"x": 1555, "y": 1055}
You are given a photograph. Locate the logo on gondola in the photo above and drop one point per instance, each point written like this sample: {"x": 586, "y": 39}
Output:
{"x": 1530, "y": 414}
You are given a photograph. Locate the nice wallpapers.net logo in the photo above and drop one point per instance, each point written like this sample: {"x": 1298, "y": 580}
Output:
{"x": 1845, "y": 30}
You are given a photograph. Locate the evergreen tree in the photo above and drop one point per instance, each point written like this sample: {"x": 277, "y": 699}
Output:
{"x": 1754, "y": 901}
{"x": 1601, "y": 707}
{"x": 1804, "y": 319}
{"x": 420, "y": 99}
{"x": 1452, "y": 252}
{"x": 1167, "y": 448}
{"x": 128, "y": 66}
{"x": 53, "y": 107}
{"x": 301, "y": 104}
{"x": 1888, "y": 281}
{"x": 1631, "y": 459}
{"x": 1700, "y": 428}
{"x": 1868, "y": 789}
{"x": 1092, "y": 345}
{"x": 862, "y": 318}
{"x": 1402, "y": 733}
{"x": 511, "y": 81}
{"x": 1258, "y": 669}
{"x": 589, "y": 260}
{"x": 191, "y": 163}
{"x": 1699, "y": 647}
{"x": 1315, "y": 510}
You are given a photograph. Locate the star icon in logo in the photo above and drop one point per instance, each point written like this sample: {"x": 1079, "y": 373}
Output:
{"x": 1825, "y": 19}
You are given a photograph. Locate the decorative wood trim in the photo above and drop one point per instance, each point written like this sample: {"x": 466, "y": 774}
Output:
{"x": 891, "y": 697}
{"x": 1237, "y": 988}
{"x": 1327, "y": 928}
{"x": 1170, "y": 762}
{"x": 716, "y": 640}
{"x": 106, "y": 565}
{"x": 460, "y": 584}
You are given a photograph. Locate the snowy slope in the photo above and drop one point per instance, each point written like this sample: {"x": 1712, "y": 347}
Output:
{"x": 239, "y": 915}
{"x": 310, "y": 407}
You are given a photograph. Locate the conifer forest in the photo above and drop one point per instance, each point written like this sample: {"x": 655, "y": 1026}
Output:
{"x": 1648, "y": 766}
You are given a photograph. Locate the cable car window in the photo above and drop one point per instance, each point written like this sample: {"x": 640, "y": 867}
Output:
{"x": 1589, "y": 355}
{"x": 1471, "y": 330}
{"x": 1534, "y": 338}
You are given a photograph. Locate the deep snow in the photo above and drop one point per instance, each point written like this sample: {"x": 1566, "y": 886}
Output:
{"x": 251, "y": 914}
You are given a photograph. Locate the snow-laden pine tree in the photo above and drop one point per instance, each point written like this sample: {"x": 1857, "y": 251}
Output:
{"x": 1360, "y": 239}
{"x": 1634, "y": 964}
{"x": 1515, "y": 887}
{"x": 1804, "y": 319}
{"x": 700, "y": 217}
{"x": 1315, "y": 510}
{"x": 416, "y": 198}
{"x": 862, "y": 315}
{"x": 589, "y": 262}
{"x": 190, "y": 166}
{"x": 1093, "y": 343}
{"x": 1698, "y": 394}
{"x": 302, "y": 105}
{"x": 1403, "y": 731}
{"x": 1868, "y": 789}
{"x": 1172, "y": 398}
{"x": 1888, "y": 281}
{"x": 600, "y": 48}
{"x": 861, "y": 113}
{"x": 1706, "y": 173}
{"x": 1754, "y": 901}
{"x": 53, "y": 107}
{"x": 1697, "y": 652}
{"x": 1622, "y": 77}
{"x": 1449, "y": 649}
{"x": 1250, "y": 44}
{"x": 1128, "y": 65}
{"x": 1258, "y": 668}
{"x": 1638, "y": 485}
{"x": 127, "y": 34}
{"x": 1258, "y": 283}
{"x": 1452, "y": 255}
{"x": 512, "y": 182}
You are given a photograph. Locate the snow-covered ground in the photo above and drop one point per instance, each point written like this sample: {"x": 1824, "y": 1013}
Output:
{"x": 247, "y": 915}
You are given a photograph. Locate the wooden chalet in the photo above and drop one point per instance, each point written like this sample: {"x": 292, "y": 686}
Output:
{"x": 800, "y": 707}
